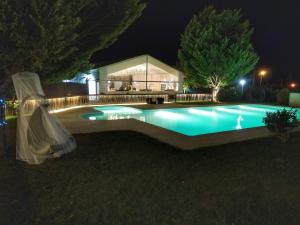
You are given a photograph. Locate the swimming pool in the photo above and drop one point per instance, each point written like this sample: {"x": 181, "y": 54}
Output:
{"x": 192, "y": 121}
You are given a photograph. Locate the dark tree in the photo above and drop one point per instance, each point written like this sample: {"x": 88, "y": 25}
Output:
{"x": 216, "y": 49}
{"x": 57, "y": 38}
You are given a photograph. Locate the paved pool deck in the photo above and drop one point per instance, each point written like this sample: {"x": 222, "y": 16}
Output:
{"x": 76, "y": 125}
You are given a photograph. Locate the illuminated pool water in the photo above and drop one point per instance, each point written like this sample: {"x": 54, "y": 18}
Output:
{"x": 191, "y": 121}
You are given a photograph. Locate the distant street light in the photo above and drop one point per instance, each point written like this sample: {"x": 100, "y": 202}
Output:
{"x": 293, "y": 85}
{"x": 242, "y": 83}
{"x": 262, "y": 73}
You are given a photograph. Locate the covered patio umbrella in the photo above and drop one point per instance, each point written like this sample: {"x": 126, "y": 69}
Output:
{"x": 40, "y": 135}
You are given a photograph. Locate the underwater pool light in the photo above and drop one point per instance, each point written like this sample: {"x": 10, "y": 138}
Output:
{"x": 233, "y": 111}
{"x": 118, "y": 110}
{"x": 255, "y": 109}
{"x": 203, "y": 112}
{"x": 169, "y": 115}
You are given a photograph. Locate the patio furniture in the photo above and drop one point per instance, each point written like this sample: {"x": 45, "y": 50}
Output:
{"x": 155, "y": 101}
{"x": 40, "y": 135}
{"x": 151, "y": 101}
{"x": 160, "y": 100}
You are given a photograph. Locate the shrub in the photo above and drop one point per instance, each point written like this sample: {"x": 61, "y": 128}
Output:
{"x": 12, "y": 107}
{"x": 230, "y": 94}
{"x": 281, "y": 123}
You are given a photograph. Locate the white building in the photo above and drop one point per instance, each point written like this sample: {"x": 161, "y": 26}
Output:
{"x": 142, "y": 74}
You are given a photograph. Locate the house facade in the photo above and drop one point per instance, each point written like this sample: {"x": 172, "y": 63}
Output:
{"x": 138, "y": 75}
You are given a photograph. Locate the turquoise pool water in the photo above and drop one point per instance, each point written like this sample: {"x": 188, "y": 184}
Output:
{"x": 191, "y": 121}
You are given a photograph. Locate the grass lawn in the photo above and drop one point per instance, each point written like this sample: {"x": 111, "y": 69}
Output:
{"x": 125, "y": 178}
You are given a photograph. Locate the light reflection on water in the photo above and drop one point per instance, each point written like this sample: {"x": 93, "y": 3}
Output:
{"x": 191, "y": 121}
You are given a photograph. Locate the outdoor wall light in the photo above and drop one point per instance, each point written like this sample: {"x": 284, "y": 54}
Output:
{"x": 243, "y": 83}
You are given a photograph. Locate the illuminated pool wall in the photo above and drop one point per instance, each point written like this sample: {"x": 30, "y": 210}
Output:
{"x": 76, "y": 101}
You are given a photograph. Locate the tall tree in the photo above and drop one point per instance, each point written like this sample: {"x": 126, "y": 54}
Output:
{"x": 57, "y": 38}
{"x": 216, "y": 49}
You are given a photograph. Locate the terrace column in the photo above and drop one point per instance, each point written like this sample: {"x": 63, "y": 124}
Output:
{"x": 147, "y": 62}
{"x": 103, "y": 80}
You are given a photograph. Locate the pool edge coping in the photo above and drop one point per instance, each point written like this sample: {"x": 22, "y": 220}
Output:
{"x": 76, "y": 125}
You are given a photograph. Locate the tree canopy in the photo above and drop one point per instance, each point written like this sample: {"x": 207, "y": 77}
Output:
{"x": 57, "y": 38}
{"x": 216, "y": 48}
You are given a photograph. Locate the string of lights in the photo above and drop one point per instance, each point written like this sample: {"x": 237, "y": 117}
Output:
{"x": 2, "y": 113}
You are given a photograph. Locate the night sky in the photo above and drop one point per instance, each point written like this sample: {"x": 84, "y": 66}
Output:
{"x": 157, "y": 32}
